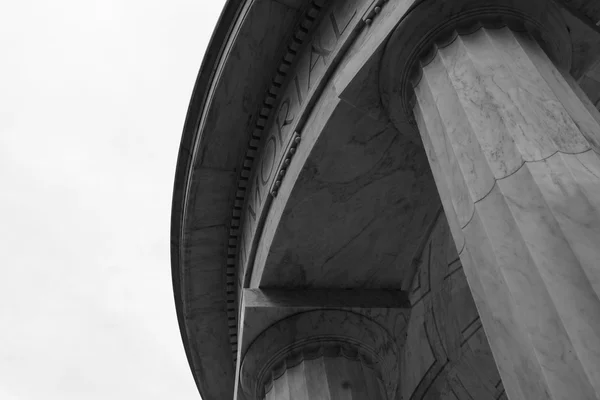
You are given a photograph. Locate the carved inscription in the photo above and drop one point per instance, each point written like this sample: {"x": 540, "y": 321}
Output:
{"x": 310, "y": 69}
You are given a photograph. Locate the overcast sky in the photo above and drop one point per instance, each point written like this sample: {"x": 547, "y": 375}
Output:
{"x": 93, "y": 96}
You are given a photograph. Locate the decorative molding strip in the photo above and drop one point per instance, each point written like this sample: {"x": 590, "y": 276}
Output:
{"x": 325, "y": 298}
{"x": 373, "y": 11}
{"x": 292, "y": 146}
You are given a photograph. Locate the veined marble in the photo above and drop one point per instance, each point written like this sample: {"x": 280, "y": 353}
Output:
{"x": 513, "y": 147}
{"x": 326, "y": 372}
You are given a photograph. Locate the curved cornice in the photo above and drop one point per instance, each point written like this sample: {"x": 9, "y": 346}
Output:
{"x": 213, "y": 53}
{"x": 262, "y": 123}
{"x": 208, "y": 163}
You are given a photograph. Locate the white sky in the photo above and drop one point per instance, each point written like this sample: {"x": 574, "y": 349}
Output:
{"x": 93, "y": 96}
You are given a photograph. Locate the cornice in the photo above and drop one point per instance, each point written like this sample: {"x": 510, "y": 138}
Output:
{"x": 300, "y": 34}
{"x": 190, "y": 160}
{"x": 198, "y": 103}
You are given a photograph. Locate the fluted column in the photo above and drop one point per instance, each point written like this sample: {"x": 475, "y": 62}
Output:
{"x": 323, "y": 354}
{"x": 514, "y": 153}
{"x": 514, "y": 150}
{"x": 325, "y": 372}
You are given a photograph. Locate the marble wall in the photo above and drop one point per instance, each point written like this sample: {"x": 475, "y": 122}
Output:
{"x": 446, "y": 355}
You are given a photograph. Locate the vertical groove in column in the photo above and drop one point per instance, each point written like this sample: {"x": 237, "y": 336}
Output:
{"x": 441, "y": 183}
{"x": 514, "y": 257}
{"x": 508, "y": 341}
{"x": 570, "y": 186}
{"x": 316, "y": 379}
{"x": 514, "y": 366}
{"x": 297, "y": 381}
{"x": 281, "y": 387}
{"x": 338, "y": 381}
{"x": 508, "y": 138}
{"x": 561, "y": 269}
{"x": 463, "y": 180}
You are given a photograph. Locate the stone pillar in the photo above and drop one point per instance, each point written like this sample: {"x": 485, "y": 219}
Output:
{"x": 515, "y": 156}
{"x": 325, "y": 371}
{"x": 322, "y": 354}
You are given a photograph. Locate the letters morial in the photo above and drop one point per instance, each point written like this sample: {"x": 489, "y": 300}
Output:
{"x": 308, "y": 70}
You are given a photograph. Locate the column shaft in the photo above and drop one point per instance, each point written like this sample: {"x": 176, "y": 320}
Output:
{"x": 327, "y": 374}
{"x": 514, "y": 153}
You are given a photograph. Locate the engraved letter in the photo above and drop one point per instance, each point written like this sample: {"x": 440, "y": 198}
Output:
{"x": 298, "y": 91}
{"x": 287, "y": 119}
{"x": 268, "y": 160}
{"x": 336, "y": 28}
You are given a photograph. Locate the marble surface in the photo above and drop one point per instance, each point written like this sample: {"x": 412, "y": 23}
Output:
{"x": 329, "y": 374}
{"x": 263, "y": 308}
{"x": 361, "y": 190}
{"x": 294, "y": 333}
{"x": 353, "y": 191}
{"x": 446, "y": 354}
{"x": 424, "y": 24}
{"x": 311, "y": 56}
{"x": 229, "y": 87}
{"x": 358, "y": 204}
{"x": 513, "y": 145}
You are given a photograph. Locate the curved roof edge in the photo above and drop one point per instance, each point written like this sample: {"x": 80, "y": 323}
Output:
{"x": 212, "y": 55}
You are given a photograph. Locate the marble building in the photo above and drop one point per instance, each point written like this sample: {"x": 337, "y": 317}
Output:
{"x": 393, "y": 200}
